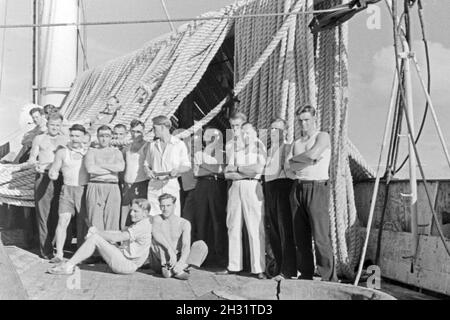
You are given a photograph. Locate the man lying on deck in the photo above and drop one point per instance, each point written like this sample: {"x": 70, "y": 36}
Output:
{"x": 124, "y": 259}
{"x": 171, "y": 252}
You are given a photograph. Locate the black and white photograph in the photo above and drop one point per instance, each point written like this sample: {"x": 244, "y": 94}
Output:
{"x": 224, "y": 155}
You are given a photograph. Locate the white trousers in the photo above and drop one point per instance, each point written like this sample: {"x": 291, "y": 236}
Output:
{"x": 157, "y": 188}
{"x": 246, "y": 200}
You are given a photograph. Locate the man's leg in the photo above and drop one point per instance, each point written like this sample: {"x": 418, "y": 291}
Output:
{"x": 320, "y": 220}
{"x": 95, "y": 206}
{"x": 302, "y": 230}
{"x": 271, "y": 221}
{"x": 61, "y": 233}
{"x": 217, "y": 197}
{"x": 112, "y": 207}
{"x": 234, "y": 225}
{"x": 197, "y": 254}
{"x": 126, "y": 204}
{"x": 288, "y": 265}
{"x": 43, "y": 190}
{"x": 253, "y": 211}
{"x": 107, "y": 250}
{"x": 81, "y": 213}
{"x": 202, "y": 210}
{"x": 152, "y": 198}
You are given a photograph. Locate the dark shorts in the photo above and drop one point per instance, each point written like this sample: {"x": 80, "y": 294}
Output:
{"x": 72, "y": 199}
{"x": 134, "y": 191}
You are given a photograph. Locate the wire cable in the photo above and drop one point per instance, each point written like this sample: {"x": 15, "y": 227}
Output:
{"x": 427, "y": 57}
{"x": 206, "y": 18}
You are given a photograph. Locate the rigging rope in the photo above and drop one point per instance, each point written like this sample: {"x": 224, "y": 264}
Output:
{"x": 261, "y": 15}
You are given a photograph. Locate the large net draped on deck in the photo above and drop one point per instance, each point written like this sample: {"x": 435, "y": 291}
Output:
{"x": 278, "y": 67}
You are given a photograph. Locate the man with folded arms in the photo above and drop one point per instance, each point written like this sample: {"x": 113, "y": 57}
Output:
{"x": 73, "y": 197}
{"x": 166, "y": 159}
{"x": 245, "y": 199}
{"x": 103, "y": 198}
{"x": 135, "y": 179}
{"x": 310, "y": 160}
{"x": 46, "y": 191}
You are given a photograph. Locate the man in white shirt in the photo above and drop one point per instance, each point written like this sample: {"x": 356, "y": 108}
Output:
{"x": 245, "y": 198}
{"x": 310, "y": 194}
{"x": 277, "y": 187}
{"x": 167, "y": 158}
{"x": 124, "y": 259}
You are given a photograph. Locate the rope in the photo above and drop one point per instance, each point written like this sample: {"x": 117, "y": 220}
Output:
{"x": 124, "y": 22}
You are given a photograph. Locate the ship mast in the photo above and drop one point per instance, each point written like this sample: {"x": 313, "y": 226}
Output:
{"x": 54, "y": 50}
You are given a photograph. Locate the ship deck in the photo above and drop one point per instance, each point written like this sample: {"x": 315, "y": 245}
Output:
{"x": 97, "y": 282}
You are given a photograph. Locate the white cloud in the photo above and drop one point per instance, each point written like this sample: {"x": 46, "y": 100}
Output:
{"x": 369, "y": 100}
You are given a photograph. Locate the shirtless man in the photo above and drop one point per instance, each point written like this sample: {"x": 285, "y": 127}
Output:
{"x": 73, "y": 197}
{"x": 122, "y": 259}
{"x": 309, "y": 160}
{"x": 135, "y": 179}
{"x": 38, "y": 116}
{"x": 171, "y": 252}
{"x": 103, "y": 194}
{"x": 46, "y": 191}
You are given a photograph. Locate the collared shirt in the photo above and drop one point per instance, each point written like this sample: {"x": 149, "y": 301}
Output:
{"x": 207, "y": 158}
{"x": 137, "y": 248}
{"x": 173, "y": 157}
{"x": 277, "y": 166}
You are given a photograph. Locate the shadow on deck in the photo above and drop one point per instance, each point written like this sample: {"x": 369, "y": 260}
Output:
{"x": 97, "y": 282}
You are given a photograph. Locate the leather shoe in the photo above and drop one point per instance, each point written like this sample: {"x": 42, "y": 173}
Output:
{"x": 261, "y": 276}
{"x": 226, "y": 272}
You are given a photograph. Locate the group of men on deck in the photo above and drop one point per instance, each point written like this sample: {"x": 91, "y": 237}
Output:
{"x": 130, "y": 208}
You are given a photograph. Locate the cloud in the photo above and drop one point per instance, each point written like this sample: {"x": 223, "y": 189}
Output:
{"x": 370, "y": 91}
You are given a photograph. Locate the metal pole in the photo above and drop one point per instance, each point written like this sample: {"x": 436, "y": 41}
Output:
{"x": 35, "y": 86}
{"x": 168, "y": 16}
{"x": 412, "y": 159}
{"x": 378, "y": 176}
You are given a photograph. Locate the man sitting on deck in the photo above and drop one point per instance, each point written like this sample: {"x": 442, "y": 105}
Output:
{"x": 125, "y": 259}
{"x": 171, "y": 252}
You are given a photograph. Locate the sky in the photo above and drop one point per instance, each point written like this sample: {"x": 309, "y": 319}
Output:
{"x": 371, "y": 64}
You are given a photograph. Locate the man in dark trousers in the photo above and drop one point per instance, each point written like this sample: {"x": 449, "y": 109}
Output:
{"x": 210, "y": 196}
{"x": 277, "y": 186}
{"x": 46, "y": 191}
{"x": 310, "y": 197}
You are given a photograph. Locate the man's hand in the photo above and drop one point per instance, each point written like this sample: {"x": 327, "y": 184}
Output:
{"x": 53, "y": 175}
{"x": 149, "y": 173}
{"x": 91, "y": 231}
{"x": 172, "y": 259}
{"x": 173, "y": 173}
{"x": 178, "y": 267}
